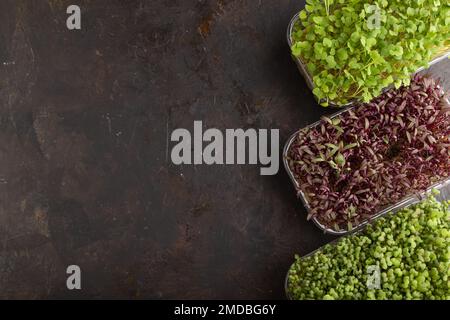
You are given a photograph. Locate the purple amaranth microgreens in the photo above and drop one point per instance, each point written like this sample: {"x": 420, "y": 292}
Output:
{"x": 373, "y": 155}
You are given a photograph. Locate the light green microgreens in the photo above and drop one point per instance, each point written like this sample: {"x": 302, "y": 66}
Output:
{"x": 350, "y": 59}
{"x": 409, "y": 249}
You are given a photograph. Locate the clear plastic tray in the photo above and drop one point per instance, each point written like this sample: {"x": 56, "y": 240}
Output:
{"x": 309, "y": 81}
{"x": 444, "y": 194}
{"x": 413, "y": 198}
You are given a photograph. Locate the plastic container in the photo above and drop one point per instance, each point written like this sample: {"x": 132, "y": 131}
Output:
{"x": 413, "y": 198}
{"x": 444, "y": 189}
{"x": 309, "y": 81}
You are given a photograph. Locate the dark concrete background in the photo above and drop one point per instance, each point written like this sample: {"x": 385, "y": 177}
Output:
{"x": 85, "y": 178}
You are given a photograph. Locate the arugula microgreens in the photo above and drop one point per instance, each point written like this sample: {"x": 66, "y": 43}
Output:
{"x": 348, "y": 60}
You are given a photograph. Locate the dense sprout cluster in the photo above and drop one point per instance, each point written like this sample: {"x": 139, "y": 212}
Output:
{"x": 411, "y": 249}
{"x": 371, "y": 156}
{"x": 354, "y": 49}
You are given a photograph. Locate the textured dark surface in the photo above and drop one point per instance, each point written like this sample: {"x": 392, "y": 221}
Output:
{"x": 85, "y": 178}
